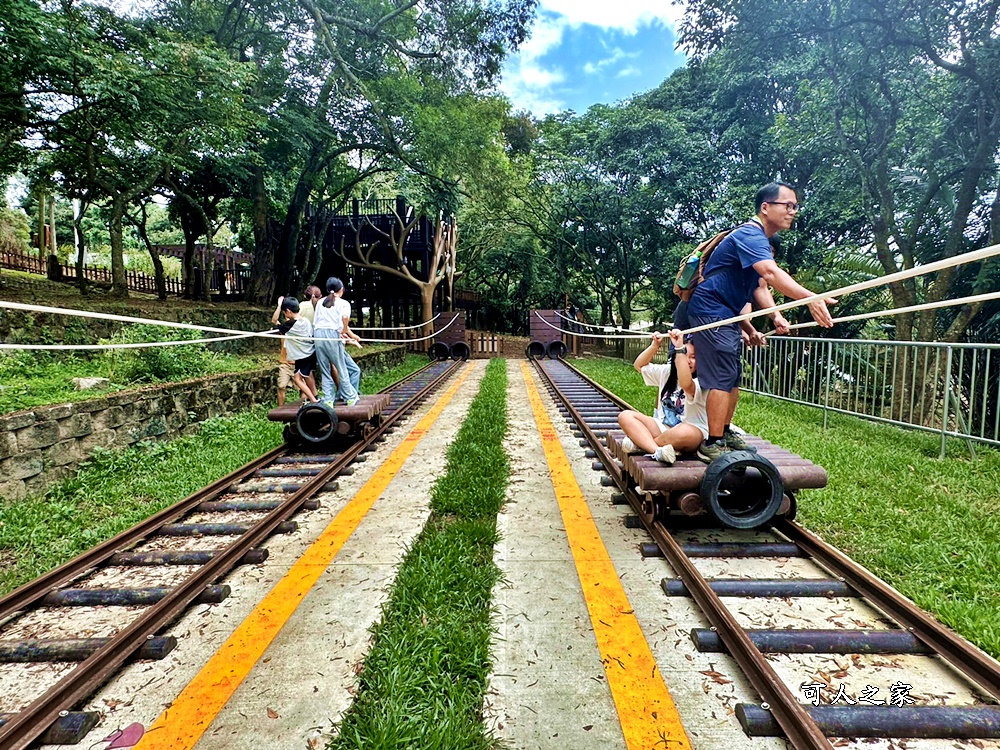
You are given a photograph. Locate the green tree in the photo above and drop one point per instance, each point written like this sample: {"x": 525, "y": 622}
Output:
{"x": 142, "y": 101}
{"x": 895, "y": 118}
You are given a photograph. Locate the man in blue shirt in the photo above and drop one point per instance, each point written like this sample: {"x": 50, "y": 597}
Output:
{"x": 741, "y": 270}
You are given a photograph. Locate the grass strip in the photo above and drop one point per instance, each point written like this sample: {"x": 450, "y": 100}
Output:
{"x": 115, "y": 489}
{"x": 928, "y": 527}
{"x": 424, "y": 679}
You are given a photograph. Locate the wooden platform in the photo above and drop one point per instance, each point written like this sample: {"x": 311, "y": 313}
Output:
{"x": 797, "y": 473}
{"x": 363, "y": 411}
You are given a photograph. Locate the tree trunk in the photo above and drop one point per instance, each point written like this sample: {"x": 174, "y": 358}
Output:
{"x": 41, "y": 226}
{"x": 81, "y": 246}
{"x": 187, "y": 262}
{"x": 159, "y": 277}
{"x": 426, "y": 313}
{"x": 260, "y": 286}
{"x": 53, "y": 246}
{"x": 119, "y": 282}
{"x": 208, "y": 267}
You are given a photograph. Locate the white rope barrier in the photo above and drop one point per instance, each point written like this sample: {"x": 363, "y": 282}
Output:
{"x": 619, "y": 329}
{"x": 637, "y": 335}
{"x": 105, "y": 347}
{"x": 398, "y": 328}
{"x": 903, "y": 310}
{"x": 408, "y": 341}
{"x": 230, "y": 332}
{"x": 987, "y": 252}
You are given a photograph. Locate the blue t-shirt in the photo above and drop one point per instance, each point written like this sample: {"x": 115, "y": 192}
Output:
{"x": 730, "y": 278}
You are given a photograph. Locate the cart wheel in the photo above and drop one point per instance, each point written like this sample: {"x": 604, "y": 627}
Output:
{"x": 742, "y": 490}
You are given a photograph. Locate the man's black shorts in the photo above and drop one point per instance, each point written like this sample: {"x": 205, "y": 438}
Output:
{"x": 718, "y": 354}
{"x": 304, "y": 367}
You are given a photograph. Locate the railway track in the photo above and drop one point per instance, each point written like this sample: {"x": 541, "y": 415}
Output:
{"x": 902, "y": 630}
{"x": 180, "y": 555}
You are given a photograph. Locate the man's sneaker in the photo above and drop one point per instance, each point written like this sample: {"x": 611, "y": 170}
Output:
{"x": 629, "y": 447}
{"x": 353, "y": 401}
{"x": 736, "y": 442}
{"x": 665, "y": 454}
{"x": 709, "y": 453}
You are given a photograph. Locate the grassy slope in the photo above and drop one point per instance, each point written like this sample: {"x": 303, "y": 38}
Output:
{"x": 928, "y": 527}
{"x": 423, "y": 681}
{"x": 116, "y": 489}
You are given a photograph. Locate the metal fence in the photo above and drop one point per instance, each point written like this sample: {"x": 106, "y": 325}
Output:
{"x": 950, "y": 389}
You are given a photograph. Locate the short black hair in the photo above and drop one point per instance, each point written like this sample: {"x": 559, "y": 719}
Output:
{"x": 768, "y": 193}
{"x": 291, "y": 304}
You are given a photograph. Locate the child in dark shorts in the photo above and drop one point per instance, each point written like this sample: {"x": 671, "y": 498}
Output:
{"x": 299, "y": 344}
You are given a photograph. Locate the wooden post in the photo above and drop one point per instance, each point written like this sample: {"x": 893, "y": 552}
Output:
{"x": 41, "y": 227}
{"x": 52, "y": 225}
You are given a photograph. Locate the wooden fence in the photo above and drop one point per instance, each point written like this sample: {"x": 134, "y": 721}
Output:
{"x": 227, "y": 284}
{"x": 486, "y": 345}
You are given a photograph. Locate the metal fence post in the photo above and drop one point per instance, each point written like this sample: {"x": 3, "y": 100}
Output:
{"x": 756, "y": 369}
{"x": 947, "y": 393}
{"x": 826, "y": 394}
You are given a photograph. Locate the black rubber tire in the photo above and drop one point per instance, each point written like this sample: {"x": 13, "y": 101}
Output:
{"x": 438, "y": 351}
{"x": 535, "y": 350}
{"x": 761, "y": 510}
{"x": 317, "y": 422}
{"x": 794, "y": 509}
{"x": 556, "y": 350}
{"x": 291, "y": 434}
{"x": 460, "y": 351}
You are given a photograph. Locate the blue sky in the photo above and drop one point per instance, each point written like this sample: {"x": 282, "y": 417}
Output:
{"x": 583, "y": 52}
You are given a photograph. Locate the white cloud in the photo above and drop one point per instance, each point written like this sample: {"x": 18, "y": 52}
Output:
{"x": 525, "y": 80}
{"x": 529, "y": 83}
{"x": 626, "y": 15}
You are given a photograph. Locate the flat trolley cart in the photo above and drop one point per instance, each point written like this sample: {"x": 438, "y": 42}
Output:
{"x": 740, "y": 490}
{"x": 321, "y": 424}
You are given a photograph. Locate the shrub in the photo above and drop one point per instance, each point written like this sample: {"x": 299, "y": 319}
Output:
{"x": 155, "y": 363}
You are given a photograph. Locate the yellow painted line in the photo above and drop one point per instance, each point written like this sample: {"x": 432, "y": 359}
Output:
{"x": 194, "y": 710}
{"x": 646, "y": 711}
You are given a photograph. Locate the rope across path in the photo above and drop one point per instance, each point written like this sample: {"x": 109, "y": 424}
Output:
{"x": 909, "y": 273}
{"x": 231, "y": 333}
{"x": 986, "y": 297}
{"x": 616, "y": 329}
{"x": 970, "y": 257}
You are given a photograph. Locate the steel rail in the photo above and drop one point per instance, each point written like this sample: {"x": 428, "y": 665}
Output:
{"x": 29, "y": 724}
{"x": 33, "y": 591}
{"x": 959, "y": 653}
{"x": 799, "y": 727}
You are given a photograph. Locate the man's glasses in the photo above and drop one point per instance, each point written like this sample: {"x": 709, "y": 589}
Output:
{"x": 789, "y": 205}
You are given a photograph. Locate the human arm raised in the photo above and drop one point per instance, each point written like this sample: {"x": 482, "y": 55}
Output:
{"x": 681, "y": 363}
{"x": 773, "y": 275}
{"x": 277, "y": 312}
{"x": 646, "y": 355}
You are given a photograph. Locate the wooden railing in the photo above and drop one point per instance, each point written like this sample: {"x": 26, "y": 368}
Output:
{"x": 228, "y": 284}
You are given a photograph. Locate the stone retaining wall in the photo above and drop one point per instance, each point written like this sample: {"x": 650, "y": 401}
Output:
{"x": 42, "y": 446}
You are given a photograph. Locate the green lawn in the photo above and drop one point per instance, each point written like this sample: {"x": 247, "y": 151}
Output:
{"x": 118, "y": 488}
{"x": 929, "y": 527}
{"x": 424, "y": 679}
